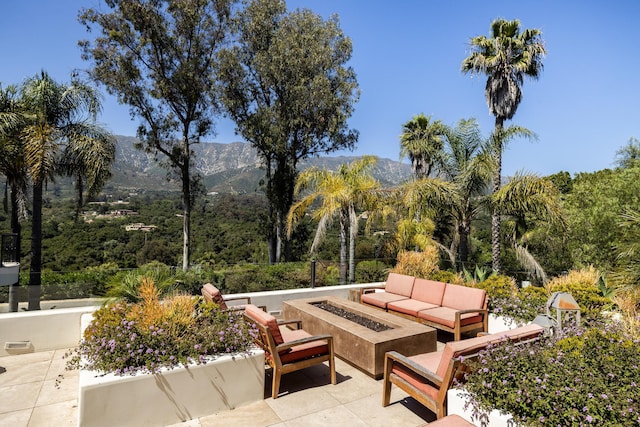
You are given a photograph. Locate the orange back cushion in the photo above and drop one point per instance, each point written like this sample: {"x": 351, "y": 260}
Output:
{"x": 463, "y": 297}
{"x": 212, "y": 293}
{"x": 265, "y": 319}
{"x": 428, "y": 291}
{"x": 399, "y": 284}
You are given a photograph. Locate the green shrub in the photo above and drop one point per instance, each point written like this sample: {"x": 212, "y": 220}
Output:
{"x": 585, "y": 378}
{"x": 371, "y": 271}
{"x": 446, "y": 277}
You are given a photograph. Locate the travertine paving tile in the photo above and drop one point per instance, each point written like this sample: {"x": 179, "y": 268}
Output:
{"x": 295, "y": 405}
{"x": 58, "y": 391}
{"x": 370, "y": 411}
{"x": 56, "y": 414}
{"x": 19, "y": 396}
{"x": 257, "y": 414}
{"x": 336, "y": 416}
{"x": 16, "y": 418}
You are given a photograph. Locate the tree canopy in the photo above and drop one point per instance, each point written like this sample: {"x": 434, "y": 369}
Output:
{"x": 286, "y": 85}
{"x": 158, "y": 57}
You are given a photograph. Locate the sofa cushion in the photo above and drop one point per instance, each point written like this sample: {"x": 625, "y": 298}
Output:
{"x": 399, "y": 284}
{"x": 381, "y": 299}
{"x": 265, "y": 319}
{"x": 302, "y": 351}
{"x": 455, "y": 349}
{"x": 418, "y": 381}
{"x": 211, "y": 293}
{"x": 463, "y": 297}
{"x": 409, "y": 306}
{"x": 526, "y": 332}
{"x": 447, "y": 316}
{"x": 428, "y": 291}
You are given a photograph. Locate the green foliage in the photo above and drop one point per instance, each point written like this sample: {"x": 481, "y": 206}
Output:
{"x": 518, "y": 305}
{"x": 288, "y": 116}
{"x": 129, "y": 338}
{"x": 580, "y": 378}
{"x": 446, "y": 277}
{"x": 371, "y": 271}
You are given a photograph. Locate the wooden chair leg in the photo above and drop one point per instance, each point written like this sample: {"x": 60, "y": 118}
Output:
{"x": 332, "y": 369}
{"x": 275, "y": 387}
{"x": 386, "y": 385}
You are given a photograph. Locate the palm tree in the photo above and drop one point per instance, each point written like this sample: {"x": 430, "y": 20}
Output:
{"x": 342, "y": 193}
{"x": 61, "y": 118}
{"x": 526, "y": 199}
{"x": 12, "y": 166}
{"x": 468, "y": 164}
{"x": 421, "y": 140}
{"x": 506, "y": 57}
{"x": 88, "y": 160}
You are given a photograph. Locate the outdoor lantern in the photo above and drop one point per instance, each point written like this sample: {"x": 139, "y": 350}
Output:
{"x": 565, "y": 305}
{"x": 547, "y": 322}
{"x": 9, "y": 265}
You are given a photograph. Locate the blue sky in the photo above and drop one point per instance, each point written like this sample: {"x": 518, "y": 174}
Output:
{"x": 407, "y": 56}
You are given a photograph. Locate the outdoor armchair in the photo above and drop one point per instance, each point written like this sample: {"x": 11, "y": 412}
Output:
{"x": 288, "y": 350}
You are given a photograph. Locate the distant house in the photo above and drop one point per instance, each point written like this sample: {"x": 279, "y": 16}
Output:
{"x": 140, "y": 227}
{"x": 124, "y": 212}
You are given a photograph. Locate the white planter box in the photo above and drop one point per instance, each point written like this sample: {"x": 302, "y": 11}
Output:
{"x": 456, "y": 400}
{"x": 500, "y": 323}
{"x": 172, "y": 396}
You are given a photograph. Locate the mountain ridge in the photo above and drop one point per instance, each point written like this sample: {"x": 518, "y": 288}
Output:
{"x": 225, "y": 167}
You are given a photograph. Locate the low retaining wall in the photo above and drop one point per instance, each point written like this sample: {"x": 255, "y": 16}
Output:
{"x": 41, "y": 330}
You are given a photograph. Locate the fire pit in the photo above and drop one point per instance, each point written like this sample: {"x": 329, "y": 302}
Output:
{"x": 356, "y": 343}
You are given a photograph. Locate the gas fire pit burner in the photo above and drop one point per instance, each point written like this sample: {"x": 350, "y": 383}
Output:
{"x": 356, "y": 318}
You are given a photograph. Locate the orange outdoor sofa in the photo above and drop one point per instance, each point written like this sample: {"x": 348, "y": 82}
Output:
{"x": 427, "y": 377}
{"x": 445, "y": 306}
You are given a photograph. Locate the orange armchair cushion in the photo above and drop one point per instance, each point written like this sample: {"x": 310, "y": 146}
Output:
{"x": 302, "y": 351}
{"x": 213, "y": 293}
{"x": 267, "y": 320}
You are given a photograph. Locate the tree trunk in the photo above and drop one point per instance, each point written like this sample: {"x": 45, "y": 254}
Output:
{"x": 80, "y": 201}
{"x": 16, "y": 228}
{"x": 352, "y": 260}
{"x": 463, "y": 245}
{"x": 186, "y": 200}
{"x": 495, "y": 217}
{"x": 344, "y": 224}
{"x": 35, "y": 269}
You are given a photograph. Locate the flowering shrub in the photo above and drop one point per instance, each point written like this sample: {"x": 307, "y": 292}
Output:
{"x": 126, "y": 338}
{"x": 579, "y": 377}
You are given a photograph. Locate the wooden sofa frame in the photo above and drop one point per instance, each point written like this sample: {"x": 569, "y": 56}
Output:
{"x": 458, "y": 355}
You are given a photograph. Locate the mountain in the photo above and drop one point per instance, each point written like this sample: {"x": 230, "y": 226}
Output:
{"x": 226, "y": 168}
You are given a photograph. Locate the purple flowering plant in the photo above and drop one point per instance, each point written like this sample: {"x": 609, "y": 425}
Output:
{"x": 578, "y": 377}
{"x": 128, "y": 338}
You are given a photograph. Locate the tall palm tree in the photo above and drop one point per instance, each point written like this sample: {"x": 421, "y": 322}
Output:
{"x": 422, "y": 140}
{"x": 506, "y": 57}
{"x": 468, "y": 164}
{"x": 12, "y": 166}
{"x": 60, "y": 117}
{"x": 341, "y": 193}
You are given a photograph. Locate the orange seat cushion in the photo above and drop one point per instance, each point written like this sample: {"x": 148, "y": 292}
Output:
{"x": 409, "y": 306}
{"x": 381, "y": 299}
{"x": 302, "y": 351}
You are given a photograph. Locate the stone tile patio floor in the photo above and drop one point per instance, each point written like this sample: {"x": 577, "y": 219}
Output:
{"x": 36, "y": 391}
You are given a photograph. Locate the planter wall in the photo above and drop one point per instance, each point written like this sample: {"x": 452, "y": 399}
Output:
{"x": 171, "y": 396}
{"x": 456, "y": 400}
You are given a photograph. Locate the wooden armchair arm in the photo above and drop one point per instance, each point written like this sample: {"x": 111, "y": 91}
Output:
{"x": 482, "y": 311}
{"x": 371, "y": 289}
{"x": 430, "y": 376}
{"x": 297, "y": 322}
{"x": 232, "y": 298}
{"x": 289, "y": 344}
